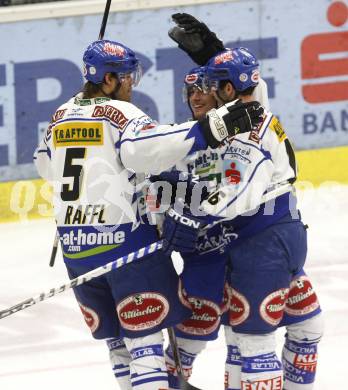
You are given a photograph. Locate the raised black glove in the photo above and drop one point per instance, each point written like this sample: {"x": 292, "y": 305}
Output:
{"x": 230, "y": 119}
{"x": 195, "y": 38}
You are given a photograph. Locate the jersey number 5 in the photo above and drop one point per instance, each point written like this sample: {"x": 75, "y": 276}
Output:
{"x": 74, "y": 171}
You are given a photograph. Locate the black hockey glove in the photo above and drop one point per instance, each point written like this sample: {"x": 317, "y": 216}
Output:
{"x": 180, "y": 231}
{"x": 229, "y": 120}
{"x": 195, "y": 38}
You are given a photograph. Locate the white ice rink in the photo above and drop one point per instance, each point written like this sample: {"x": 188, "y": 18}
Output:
{"x": 48, "y": 346}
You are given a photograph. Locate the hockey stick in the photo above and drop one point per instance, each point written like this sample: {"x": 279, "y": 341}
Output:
{"x": 183, "y": 384}
{"x": 273, "y": 194}
{"x": 130, "y": 258}
{"x": 54, "y": 249}
{"x": 105, "y": 19}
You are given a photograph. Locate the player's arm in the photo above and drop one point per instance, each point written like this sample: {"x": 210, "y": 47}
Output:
{"x": 275, "y": 140}
{"x": 145, "y": 146}
{"x": 43, "y": 154}
{"x": 152, "y": 148}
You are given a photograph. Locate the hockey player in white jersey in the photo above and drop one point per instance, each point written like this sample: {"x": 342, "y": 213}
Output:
{"x": 269, "y": 287}
{"x": 270, "y": 244}
{"x": 303, "y": 322}
{"x": 203, "y": 276}
{"x": 97, "y": 142}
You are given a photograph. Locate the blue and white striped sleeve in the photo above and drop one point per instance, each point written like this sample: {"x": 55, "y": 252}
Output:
{"x": 42, "y": 156}
{"x": 145, "y": 146}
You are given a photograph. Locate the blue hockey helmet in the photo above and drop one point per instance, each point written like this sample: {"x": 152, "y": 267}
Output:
{"x": 237, "y": 65}
{"x": 106, "y": 56}
{"x": 195, "y": 78}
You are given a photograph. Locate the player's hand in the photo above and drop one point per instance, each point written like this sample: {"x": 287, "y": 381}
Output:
{"x": 180, "y": 231}
{"x": 191, "y": 25}
{"x": 195, "y": 38}
{"x": 229, "y": 120}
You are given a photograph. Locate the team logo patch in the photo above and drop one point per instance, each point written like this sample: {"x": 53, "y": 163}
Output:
{"x": 205, "y": 317}
{"x": 233, "y": 173}
{"x": 224, "y": 57}
{"x": 91, "y": 317}
{"x": 114, "y": 50}
{"x": 272, "y": 307}
{"x": 191, "y": 78}
{"x": 243, "y": 77}
{"x": 273, "y": 383}
{"x": 92, "y": 70}
{"x": 144, "y": 124}
{"x": 239, "y": 308}
{"x": 302, "y": 298}
{"x": 58, "y": 115}
{"x": 142, "y": 311}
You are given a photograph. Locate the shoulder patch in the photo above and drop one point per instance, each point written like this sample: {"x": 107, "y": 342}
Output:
{"x": 276, "y": 126}
{"x": 112, "y": 113}
{"x": 58, "y": 115}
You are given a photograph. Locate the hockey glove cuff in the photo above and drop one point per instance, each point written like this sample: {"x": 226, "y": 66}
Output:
{"x": 180, "y": 231}
{"x": 229, "y": 120}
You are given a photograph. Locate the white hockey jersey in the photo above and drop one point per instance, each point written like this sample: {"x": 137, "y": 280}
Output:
{"x": 250, "y": 166}
{"x": 91, "y": 153}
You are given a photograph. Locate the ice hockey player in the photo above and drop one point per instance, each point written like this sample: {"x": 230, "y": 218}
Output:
{"x": 90, "y": 152}
{"x": 301, "y": 315}
{"x": 203, "y": 276}
{"x": 204, "y": 269}
{"x": 270, "y": 246}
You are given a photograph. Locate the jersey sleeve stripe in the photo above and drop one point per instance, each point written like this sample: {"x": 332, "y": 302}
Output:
{"x": 153, "y": 136}
{"x": 265, "y": 127}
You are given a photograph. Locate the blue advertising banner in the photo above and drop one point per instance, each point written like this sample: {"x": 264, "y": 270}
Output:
{"x": 302, "y": 47}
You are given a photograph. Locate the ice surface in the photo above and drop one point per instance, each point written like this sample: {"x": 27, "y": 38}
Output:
{"x": 48, "y": 346}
